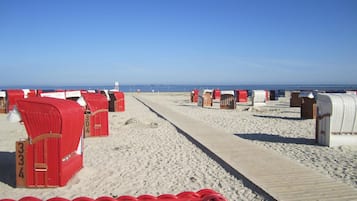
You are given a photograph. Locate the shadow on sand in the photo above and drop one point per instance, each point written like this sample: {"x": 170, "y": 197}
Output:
{"x": 278, "y": 117}
{"x": 276, "y": 138}
{"x": 196, "y": 106}
{"x": 8, "y": 168}
{"x": 187, "y": 105}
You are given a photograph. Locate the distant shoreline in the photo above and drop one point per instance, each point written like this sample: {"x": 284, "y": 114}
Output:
{"x": 190, "y": 87}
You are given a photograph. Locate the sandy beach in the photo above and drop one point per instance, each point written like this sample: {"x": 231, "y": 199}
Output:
{"x": 276, "y": 126}
{"x": 145, "y": 154}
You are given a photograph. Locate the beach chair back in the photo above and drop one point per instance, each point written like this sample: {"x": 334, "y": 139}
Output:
{"x": 295, "y": 100}
{"x": 3, "y": 102}
{"x": 205, "y": 98}
{"x": 242, "y": 96}
{"x": 337, "y": 119}
{"x": 52, "y": 154}
{"x": 308, "y": 105}
{"x": 117, "y": 101}
{"x": 96, "y": 115}
{"x": 228, "y": 100}
{"x": 259, "y": 97}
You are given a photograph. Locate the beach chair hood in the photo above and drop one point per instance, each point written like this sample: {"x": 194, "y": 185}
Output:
{"x": 43, "y": 115}
{"x": 337, "y": 119}
{"x": 95, "y": 101}
{"x": 96, "y": 116}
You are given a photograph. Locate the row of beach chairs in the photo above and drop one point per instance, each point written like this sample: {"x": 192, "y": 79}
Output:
{"x": 56, "y": 123}
{"x": 8, "y": 98}
{"x": 229, "y": 98}
{"x": 335, "y": 113}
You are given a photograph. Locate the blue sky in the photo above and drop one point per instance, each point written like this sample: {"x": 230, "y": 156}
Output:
{"x": 74, "y": 42}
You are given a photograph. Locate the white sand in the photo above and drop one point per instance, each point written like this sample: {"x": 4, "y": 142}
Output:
{"x": 275, "y": 126}
{"x": 144, "y": 154}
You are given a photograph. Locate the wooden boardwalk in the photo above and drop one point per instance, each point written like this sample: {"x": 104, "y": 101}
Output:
{"x": 271, "y": 174}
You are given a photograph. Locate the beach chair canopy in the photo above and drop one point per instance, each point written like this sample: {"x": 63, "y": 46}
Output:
{"x": 216, "y": 94}
{"x": 337, "y": 122}
{"x": 228, "y": 92}
{"x": 117, "y": 95}
{"x": 95, "y": 101}
{"x": 194, "y": 95}
{"x": 242, "y": 92}
{"x": 117, "y": 101}
{"x": 43, "y": 115}
{"x": 259, "y": 95}
{"x": 106, "y": 93}
{"x": 241, "y": 95}
{"x": 195, "y": 91}
{"x": 341, "y": 108}
{"x": 228, "y": 99}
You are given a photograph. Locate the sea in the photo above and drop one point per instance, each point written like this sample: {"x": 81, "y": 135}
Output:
{"x": 189, "y": 88}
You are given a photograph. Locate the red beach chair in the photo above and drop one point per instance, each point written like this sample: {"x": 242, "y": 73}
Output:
{"x": 117, "y": 101}
{"x": 242, "y": 96}
{"x": 96, "y": 115}
{"x": 202, "y": 195}
{"x": 216, "y": 94}
{"x": 12, "y": 96}
{"x": 194, "y": 95}
{"x": 52, "y": 154}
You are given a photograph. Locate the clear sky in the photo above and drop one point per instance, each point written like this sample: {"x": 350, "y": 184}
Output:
{"x": 84, "y": 42}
